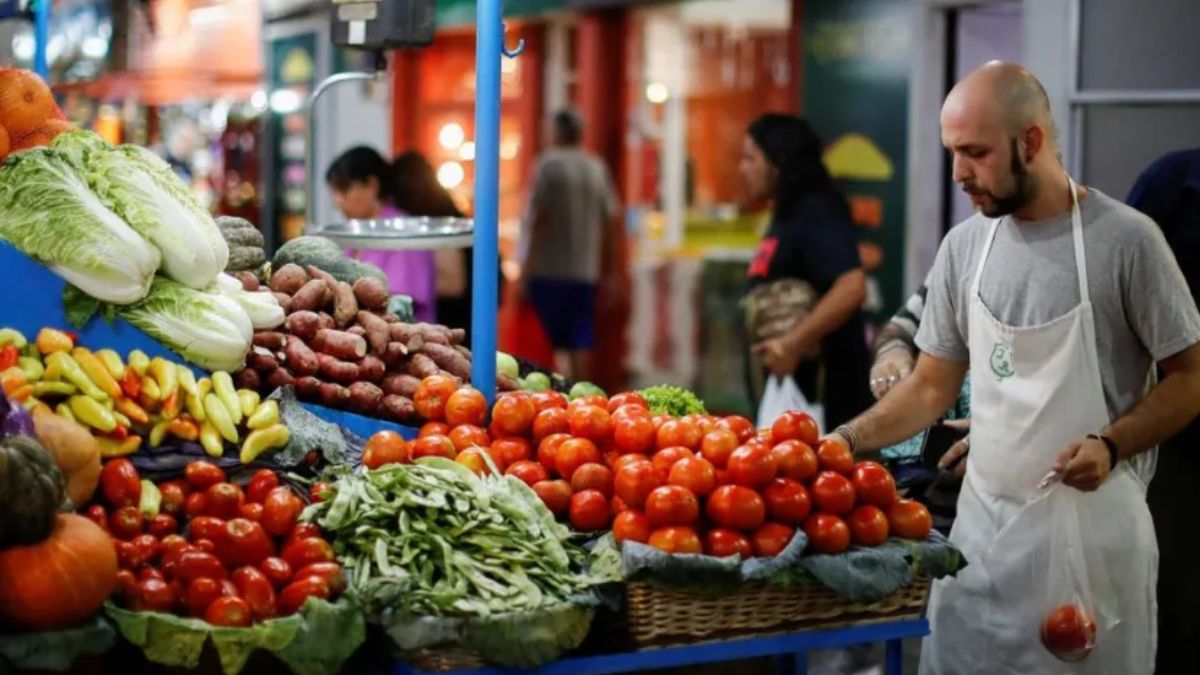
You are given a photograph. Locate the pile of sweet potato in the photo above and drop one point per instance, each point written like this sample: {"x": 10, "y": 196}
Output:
{"x": 341, "y": 349}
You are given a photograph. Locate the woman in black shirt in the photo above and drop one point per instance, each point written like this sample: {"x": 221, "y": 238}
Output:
{"x": 810, "y": 238}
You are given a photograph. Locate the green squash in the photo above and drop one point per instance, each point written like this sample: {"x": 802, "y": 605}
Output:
{"x": 31, "y": 491}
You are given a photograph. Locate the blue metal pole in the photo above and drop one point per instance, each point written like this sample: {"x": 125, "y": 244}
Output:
{"x": 489, "y": 40}
{"x": 41, "y": 35}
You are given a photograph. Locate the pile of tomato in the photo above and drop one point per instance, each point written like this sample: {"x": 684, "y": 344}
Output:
{"x": 211, "y": 549}
{"x": 697, "y": 484}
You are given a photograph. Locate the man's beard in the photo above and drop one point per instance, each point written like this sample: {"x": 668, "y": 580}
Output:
{"x": 1023, "y": 191}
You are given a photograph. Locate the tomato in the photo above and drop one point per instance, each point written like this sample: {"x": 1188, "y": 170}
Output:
{"x": 244, "y": 542}
{"x": 573, "y": 454}
{"x": 126, "y": 587}
{"x": 752, "y": 466}
{"x": 277, "y": 571}
{"x": 634, "y": 434}
{"x": 630, "y": 525}
{"x": 473, "y": 459}
{"x": 634, "y": 482}
{"x": 173, "y": 545}
{"x": 589, "y": 511}
{"x": 618, "y": 505}
{"x": 555, "y": 494}
{"x": 827, "y": 533}
{"x": 874, "y": 484}
{"x": 303, "y": 531}
{"x": 434, "y": 446}
{"x": 868, "y": 525}
{"x": 254, "y": 587}
{"x": 146, "y": 550}
{"x": 280, "y": 511}
{"x": 125, "y": 523}
{"x": 98, "y": 515}
{"x": 624, "y": 460}
{"x": 318, "y": 493}
{"x": 528, "y": 472}
{"x": 1069, "y": 632}
{"x": 513, "y": 415}
{"x": 676, "y": 539}
{"x": 162, "y": 525}
{"x": 206, "y": 527}
{"x": 251, "y": 511}
{"x": 229, "y": 611}
{"x": 294, "y": 595}
{"x": 796, "y": 460}
{"x": 150, "y": 573}
{"x": 627, "y": 398}
{"x": 195, "y": 505}
{"x": 795, "y": 426}
{"x": 772, "y": 538}
{"x": 174, "y": 496}
{"x": 672, "y": 505}
{"x": 631, "y": 411}
{"x": 545, "y": 400}
{"x": 304, "y": 552}
{"x": 592, "y": 399}
{"x": 154, "y": 595}
{"x": 909, "y": 519}
{"x": 466, "y": 436}
{"x": 224, "y": 500}
{"x": 260, "y": 485}
{"x": 548, "y": 448}
{"x": 550, "y": 421}
{"x": 723, "y": 477}
{"x": 664, "y": 460}
{"x": 740, "y": 426}
{"x": 126, "y": 559}
{"x": 432, "y": 395}
{"x": 717, "y": 445}
{"x": 205, "y": 545}
{"x": 200, "y": 475}
{"x": 722, "y": 543}
{"x": 678, "y": 433}
{"x": 592, "y": 476}
{"x": 787, "y": 501}
{"x": 591, "y": 422}
{"x": 331, "y": 572}
{"x": 510, "y": 450}
{"x": 200, "y": 594}
{"x": 466, "y": 406}
{"x": 383, "y": 448}
{"x": 120, "y": 483}
{"x": 659, "y": 421}
{"x": 834, "y": 456}
{"x": 434, "y": 429}
{"x": 694, "y": 473}
{"x": 833, "y": 493}
{"x": 737, "y": 508}
{"x": 194, "y": 565}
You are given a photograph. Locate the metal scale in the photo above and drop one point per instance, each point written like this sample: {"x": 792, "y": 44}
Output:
{"x": 382, "y": 25}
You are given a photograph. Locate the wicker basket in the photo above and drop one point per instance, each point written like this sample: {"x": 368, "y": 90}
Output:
{"x": 658, "y": 615}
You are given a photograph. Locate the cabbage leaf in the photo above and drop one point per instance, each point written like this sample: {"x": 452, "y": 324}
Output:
{"x": 206, "y": 328}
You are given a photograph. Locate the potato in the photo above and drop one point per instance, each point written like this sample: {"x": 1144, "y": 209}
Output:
{"x": 371, "y": 293}
{"x": 303, "y": 324}
{"x": 334, "y": 395}
{"x": 400, "y": 409}
{"x": 335, "y": 370}
{"x": 400, "y": 384}
{"x": 371, "y": 368}
{"x": 311, "y": 297}
{"x": 284, "y": 300}
{"x": 365, "y": 397}
{"x": 249, "y": 281}
{"x": 288, "y": 279}
{"x": 269, "y": 339}
{"x": 300, "y": 359}
{"x": 248, "y": 378}
{"x": 340, "y": 344}
{"x": 345, "y": 307}
{"x": 377, "y": 333}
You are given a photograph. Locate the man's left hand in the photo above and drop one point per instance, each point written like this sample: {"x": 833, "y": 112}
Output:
{"x": 780, "y": 355}
{"x": 1084, "y": 465}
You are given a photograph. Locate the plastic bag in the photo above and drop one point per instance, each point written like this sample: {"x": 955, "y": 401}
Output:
{"x": 781, "y": 395}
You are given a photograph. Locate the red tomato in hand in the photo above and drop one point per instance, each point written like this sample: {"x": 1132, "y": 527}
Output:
{"x": 737, "y": 508}
{"x": 467, "y": 436}
{"x": 787, "y": 501}
{"x": 545, "y": 400}
{"x": 573, "y": 454}
{"x": 631, "y": 525}
{"x": 434, "y": 429}
{"x": 694, "y": 473}
{"x": 868, "y": 525}
{"x": 280, "y": 511}
{"x": 772, "y": 538}
{"x": 555, "y": 494}
{"x": 174, "y": 497}
{"x": 293, "y": 597}
{"x": 874, "y": 484}
{"x": 511, "y": 450}
{"x": 634, "y": 434}
{"x": 383, "y": 448}
{"x": 672, "y": 505}
{"x": 331, "y": 572}
{"x": 528, "y": 472}
{"x": 304, "y": 552}
{"x": 229, "y": 611}
{"x": 590, "y": 422}
{"x": 634, "y": 482}
{"x": 162, "y": 525}
{"x": 194, "y": 565}
{"x": 589, "y": 511}
{"x": 513, "y": 415}
{"x": 678, "y": 433}
{"x": 722, "y": 543}
{"x": 201, "y": 475}
{"x": 466, "y": 406}
{"x": 434, "y": 446}
{"x": 717, "y": 446}
{"x": 676, "y": 539}
{"x": 752, "y": 466}
{"x": 592, "y": 476}
{"x": 627, "y": 398}
{"x": 260, "y": 485}
{"x": 664, "y": 460}
{"x": 827, "y": 533}
{"x": 120, "y": 483}
{"x": 125, "y": 523}
{"x": 432, "y": 395}
{"x": 550, "y": 421}
{"x": 796, "y": 460}
{"x": 795, "y": 426}
{"x": 244, "y": 542}
{"x": 740, "y": 426}
{"x": 1069, "y": 632}
{"x": 833, "y": 493}
{"x": 834, "y": 456}
{"x": 200, "y": 594}
{"x": 909, "y": 519}
{"x": 254, "y": 587}
{"x": 277, "y": 571}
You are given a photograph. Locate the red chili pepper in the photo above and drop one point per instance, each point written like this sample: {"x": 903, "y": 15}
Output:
{"x": 73, "y": 335}
{"x": 120, "y": 433}
{"x": 131, "y": 384}
{"x": 9, "y": 356}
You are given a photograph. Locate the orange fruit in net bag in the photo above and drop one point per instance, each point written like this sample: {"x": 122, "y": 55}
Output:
{"x": 25, "y": 102}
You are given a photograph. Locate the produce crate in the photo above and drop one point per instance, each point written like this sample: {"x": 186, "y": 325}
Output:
{"x": 659, "y": 615}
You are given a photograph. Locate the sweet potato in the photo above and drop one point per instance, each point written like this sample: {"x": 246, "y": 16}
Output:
{"x": 400, "y": 409}
{"x": 457, "y": 335}
{"x": 463, "y": 350}
{"x": 262, "y": 359}
{"x": 432, "y": 333}
{"x": 288, "y": 279}
{"x": 396, "y": 353}
{"x": 248, "y": 378}
{"x": 269, "y": 339}
{"x": 415, "y": 343}
{"x": 421, "y": 366}
{"x": 371, "y": 368}
{"x": 249, "y": 281}
{"x": 284, "y": 300}
{"x": 400, "y": 384}
{"x": 345, "y": 307}
{"x": 357, "y": 330}
{"x": 389, "y": 318}
{"x": 326, "y": 320}
{"x": 365, "y": 397}
{"x": 340, "y": 344}
{"x": 301, "y": 360}
{"x": 308, "y": 387}
{"x": 402, "y": 332}
{"x": 334, "y": 395}
{"x": 335, "y": 370}
{"x": 303, "y": 324}
{"x": 280, "y": 377}
{"x": 318, "y": 273}
{"x": 371, "y": 293}
{"x": 312, "y": 297}
{"x": 378, "y": 334}
{"x": 506, "y": 383}
{"x": 448, "y": 359}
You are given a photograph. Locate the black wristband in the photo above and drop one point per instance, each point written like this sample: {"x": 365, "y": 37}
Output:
{"x": 1114, "y": 452}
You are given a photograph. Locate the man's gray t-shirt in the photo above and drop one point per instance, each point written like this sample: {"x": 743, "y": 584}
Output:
{"x": 574, "y": 199}
{"x": 1143, "y": 309}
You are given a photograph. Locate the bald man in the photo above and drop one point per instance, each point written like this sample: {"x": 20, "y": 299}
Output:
{"x": 1060, "y": 300}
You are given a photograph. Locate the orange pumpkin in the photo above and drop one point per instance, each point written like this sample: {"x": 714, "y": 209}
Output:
{"x": 61, "y": 581}
{"x": 4, "y": 143}
{"x": 25, "y": 102}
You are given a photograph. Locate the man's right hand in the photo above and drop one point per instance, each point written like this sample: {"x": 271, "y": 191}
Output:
{"x": 889, "y": 368}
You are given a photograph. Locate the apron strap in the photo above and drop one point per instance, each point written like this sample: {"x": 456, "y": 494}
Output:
{"x": 983, "y": 256}
{"x": 1077, "y": 235}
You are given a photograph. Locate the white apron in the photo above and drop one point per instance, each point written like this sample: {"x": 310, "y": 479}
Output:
{"x": 1033, "y": 391}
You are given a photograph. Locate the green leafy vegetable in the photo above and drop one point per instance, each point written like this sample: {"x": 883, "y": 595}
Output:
{"x": 207, "y": 329}
{"x": 261, "y": 307}
{"x": 665, "y": 399}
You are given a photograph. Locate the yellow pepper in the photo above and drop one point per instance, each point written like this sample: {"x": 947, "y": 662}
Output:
{"x": 11, "y": 336}
{"x": 158, "y": 433}
{"x": 183, "y": 429}
{"x": 187, "y": 380}
{"x": 32, "y": 367}
{"x": 132, "y": 410}
{"x": 210, "y": 439}
{"x": 173, "y": 405}
{"x": 122, "y": 421}
{"x": 96, "y": 372}
{"x": 223, "y": 388}
{"x": 50, "y": 341}
{"x": 218, "y": 416}
{"x": 114, "y": 448}
{"x": 52, "y": 371}
{"x": 265, "y": 416}
{"x": 91, "y": 413}
{"x": 260, "y": 441}
{"x": 12, "y": 379}
{"x": 249, "y": 400}
{"x": 42, "y": 389}
{"x": 64, "y": 411}
{"x": 163, "y": 372}
{"x": 72, "y": 373}
{"x": 112, "y": 362}
{"x": 195, "y": 407}
{"x": 150, "y": 390}
{"x": 139, "y": 362}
